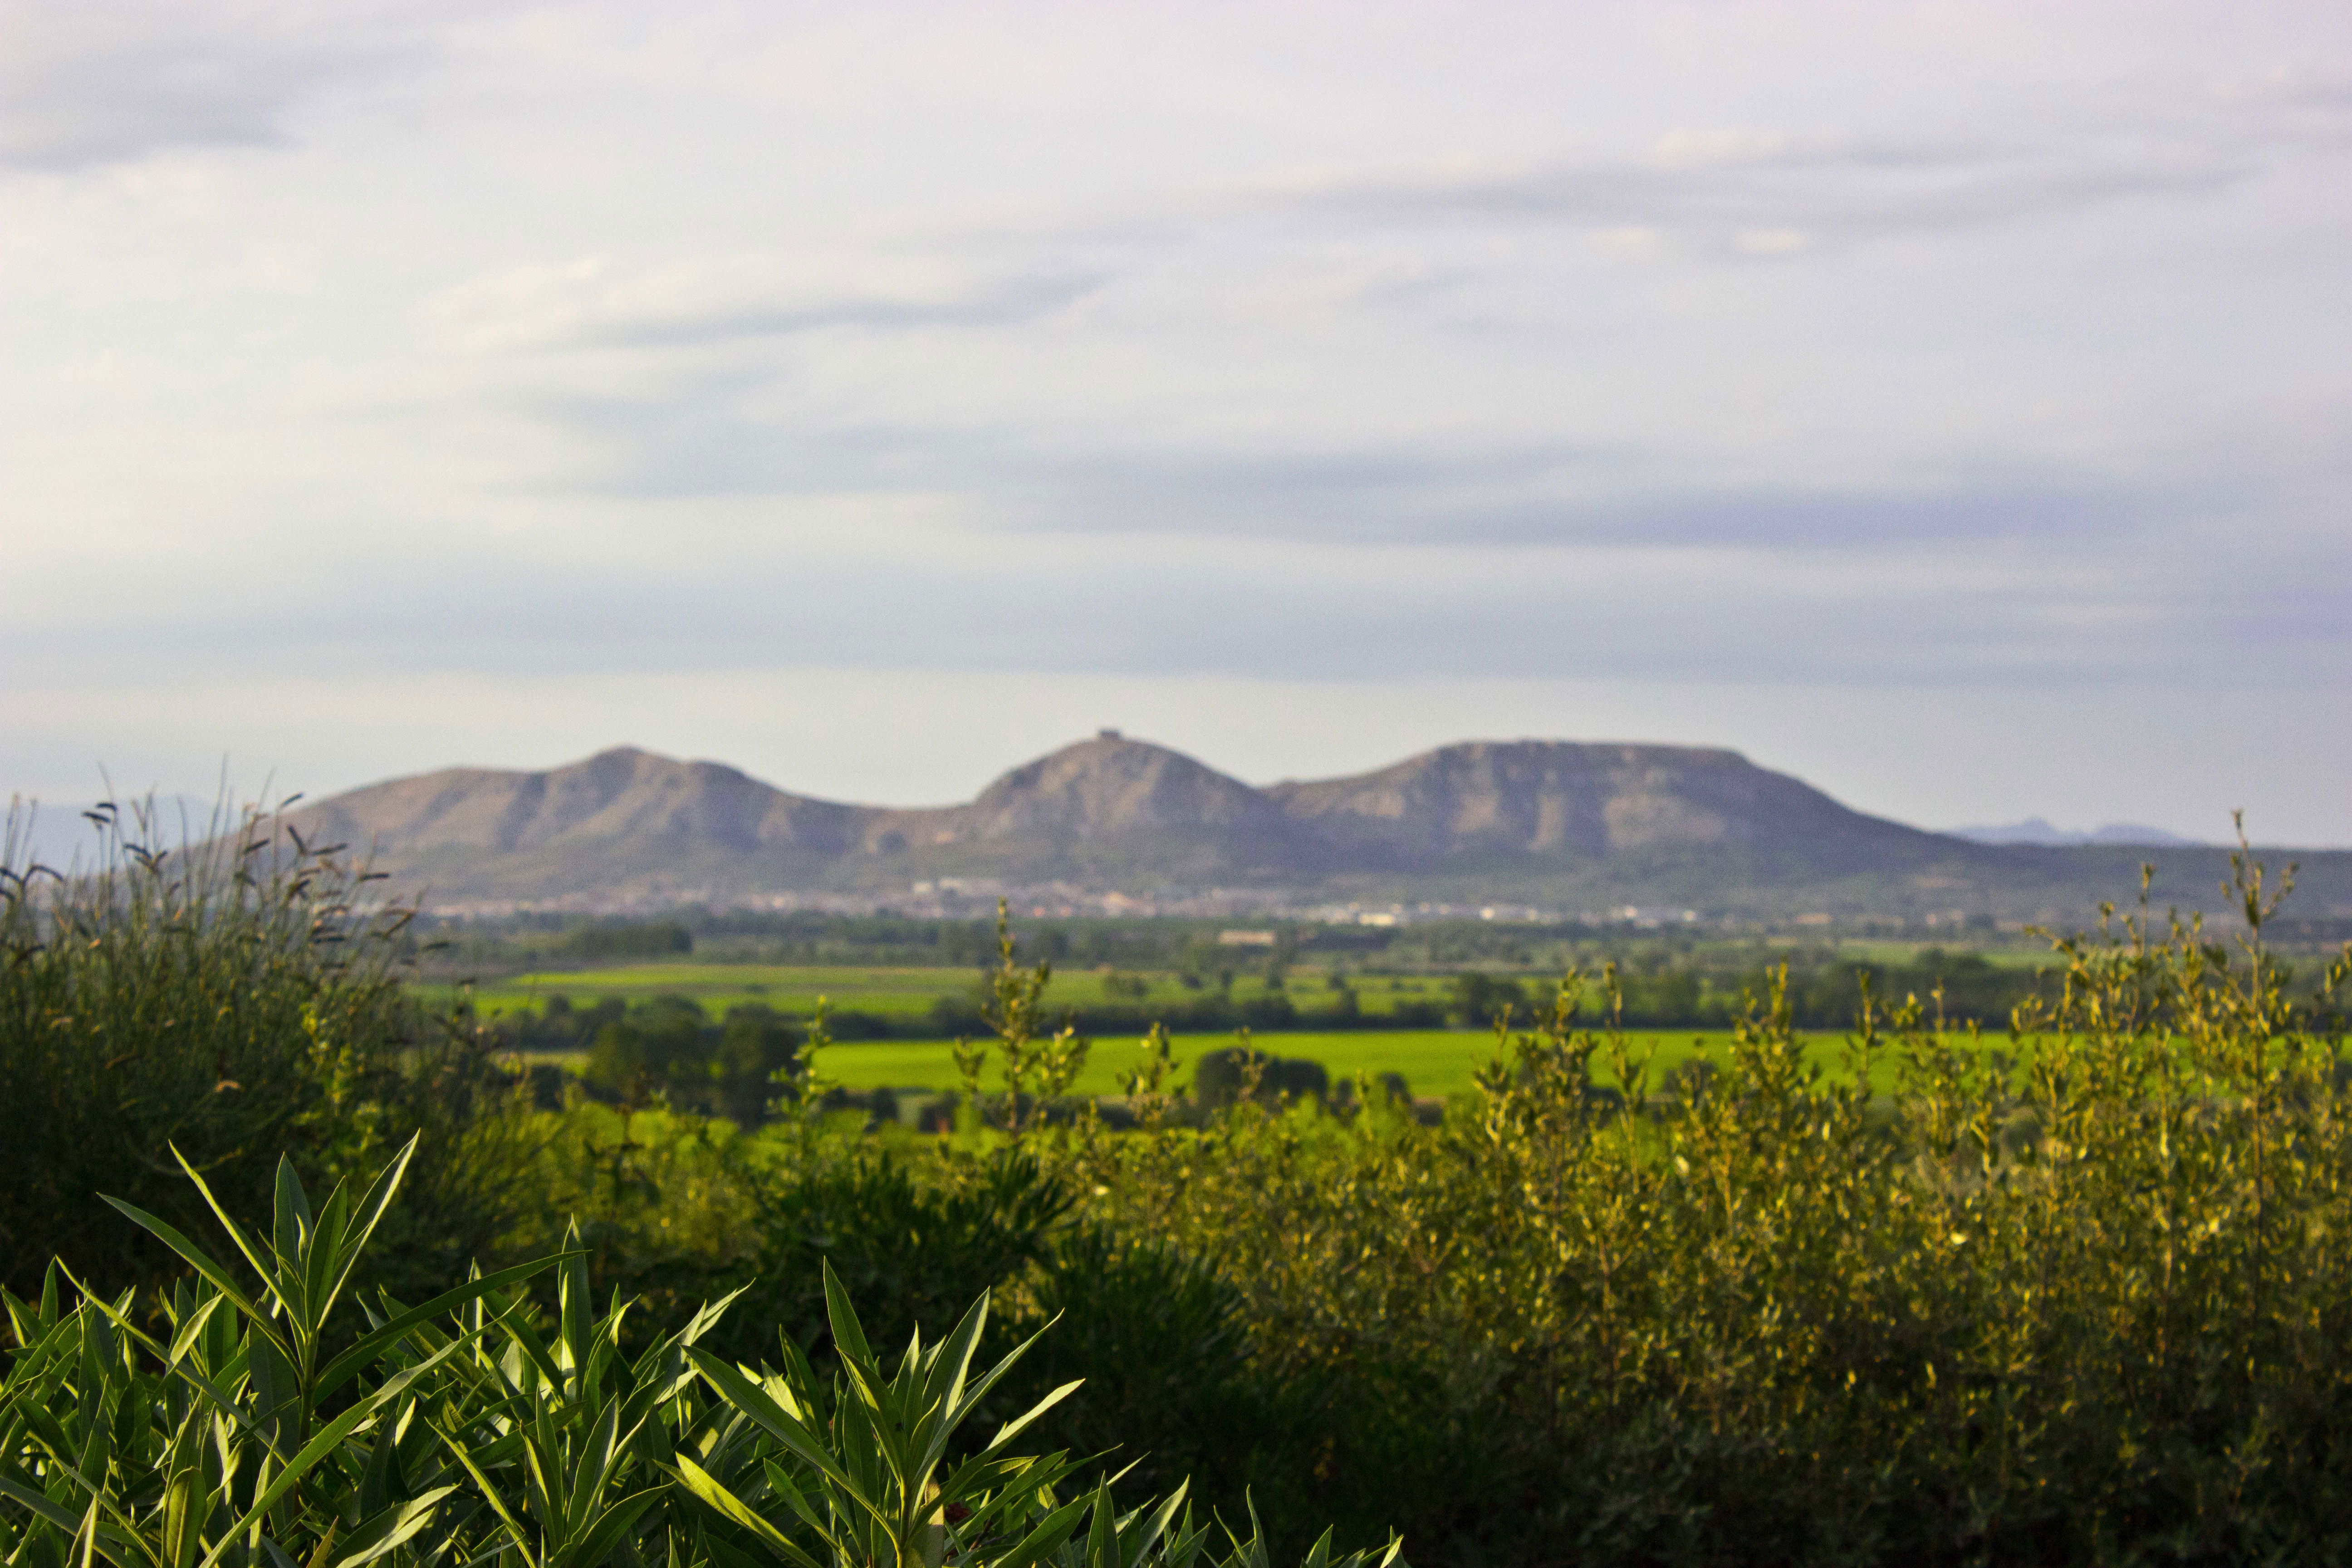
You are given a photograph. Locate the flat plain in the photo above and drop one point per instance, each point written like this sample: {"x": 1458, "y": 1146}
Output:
{"x": 1436, "y": 1063}
{"x": 893, "y": 992}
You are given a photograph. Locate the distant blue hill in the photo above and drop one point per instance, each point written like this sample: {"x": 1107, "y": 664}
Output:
{"x": 2041, "y": 831}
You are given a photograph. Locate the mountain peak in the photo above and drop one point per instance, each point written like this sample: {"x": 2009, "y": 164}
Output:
{"x": 1110, "y": 783}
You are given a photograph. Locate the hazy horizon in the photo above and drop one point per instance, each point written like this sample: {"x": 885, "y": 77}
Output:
{"x": 1942, "y": 403}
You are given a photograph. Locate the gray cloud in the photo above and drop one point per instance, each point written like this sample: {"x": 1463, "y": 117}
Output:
{"x": 704, "y": 302}
{"x": 1769, "y": 194}
{"x": 1777, "y": 195}
{"x": 92, "y": 84}
{"x": 700, "y": 437}
{"x": 2029, "y": 613}
{"x": 992, "y": 302}
{"x": 1567, "y": 496}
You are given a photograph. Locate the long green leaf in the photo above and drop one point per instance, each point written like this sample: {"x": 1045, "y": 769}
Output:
{"x": 193, "y": 1325}
{"x": 201, "y": 1262}
{"x": 370, "y": 1346}
{"x": 1154, "y": 1527}
{"x": 329, "y": 1439}
{"x": 995, "y": 1374}
{"x": 372, "y": 1203}
{"x": 848, "y": 1338}
{"x": 751, "y": 1400}
{"x": 123, "y": 1532}
{"x": 235, "y": 1231}
{"x": 489, "y": 1494}
{"x": 1013, "y": 1428}
{"x": 222, "y": 1403}
{"x": 47, "y": 1508}
{"x": 1046, "y": 1537}
{"x": 408, "y": 1518}
{"x": 592, "y": 1547}
{"x": 703, "y": 1485}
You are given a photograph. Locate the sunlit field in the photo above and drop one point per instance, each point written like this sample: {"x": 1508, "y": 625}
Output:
{"x": 1436, "y": 1063}
{"x": 891, "y": 991}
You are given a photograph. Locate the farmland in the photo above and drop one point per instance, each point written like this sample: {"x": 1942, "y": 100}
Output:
{"x": 904, "y": 991}
{"x": 1436, "y": 1063}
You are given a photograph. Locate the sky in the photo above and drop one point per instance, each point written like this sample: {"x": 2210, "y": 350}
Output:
{"x": 1947, "y": 404}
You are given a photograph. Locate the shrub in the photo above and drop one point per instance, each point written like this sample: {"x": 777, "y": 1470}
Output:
{"x": 667, "y": 1047}
{"x": 1223, "y": 1077}
{"x": 1479, "y": 998}
{"x": 1158, "y": 1344}
{"x": 231, "y": 997}
{"x": 913, "y": 1250}
{"x": 648, "y": 940}
{"x": 2077, "y": 1299}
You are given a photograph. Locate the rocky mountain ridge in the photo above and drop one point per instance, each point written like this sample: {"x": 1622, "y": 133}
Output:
{"x": 1556, "y": 824}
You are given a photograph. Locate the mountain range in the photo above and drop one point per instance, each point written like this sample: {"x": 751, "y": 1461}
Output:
{"x": 1556, "y": 824}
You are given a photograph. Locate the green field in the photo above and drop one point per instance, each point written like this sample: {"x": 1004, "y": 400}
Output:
{"x": 1436, "y": 1063}
{"x": 889, "y": 992}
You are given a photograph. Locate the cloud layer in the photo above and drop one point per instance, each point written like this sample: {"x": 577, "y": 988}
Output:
{"x": 1977, "y": 352}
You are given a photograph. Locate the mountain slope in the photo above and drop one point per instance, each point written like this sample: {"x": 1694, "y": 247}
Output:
{"x": 1558, "y": 823}
{"x": 624, "y": 817}
{"x": 1104, "y": 811}
{"x": 1488, "y": 803}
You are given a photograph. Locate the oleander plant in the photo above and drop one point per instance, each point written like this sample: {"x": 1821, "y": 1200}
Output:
{"x": 271, "y": 1415}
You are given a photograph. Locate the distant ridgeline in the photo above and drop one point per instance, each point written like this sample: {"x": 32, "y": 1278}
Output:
{"x": 1561, "y": 825}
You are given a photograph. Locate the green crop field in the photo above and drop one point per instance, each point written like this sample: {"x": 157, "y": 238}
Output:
{"x": 2036, "y": 955}
{"x": 902, "y": 992}
{"x": 1435, "y": 1062}
{"x": 719, "y": 986}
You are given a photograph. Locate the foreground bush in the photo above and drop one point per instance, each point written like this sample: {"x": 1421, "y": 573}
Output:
{"x": 2082, "y": 1298}
{"x": 257, "y": 1429}
{"x": 238, "y": 996}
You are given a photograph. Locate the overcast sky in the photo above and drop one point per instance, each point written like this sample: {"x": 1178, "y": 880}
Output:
{"x": 1948, "y": 404}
